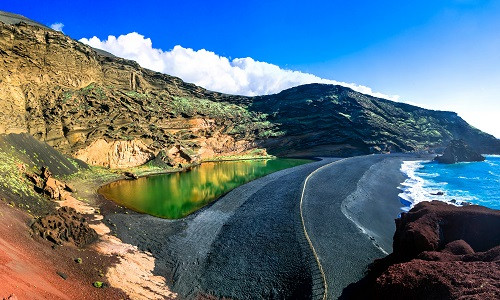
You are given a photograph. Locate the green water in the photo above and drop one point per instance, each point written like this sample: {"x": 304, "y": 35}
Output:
{"x": 176, "y": 195}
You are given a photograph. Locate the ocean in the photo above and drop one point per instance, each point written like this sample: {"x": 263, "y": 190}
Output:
{"x": 461, "y": 183}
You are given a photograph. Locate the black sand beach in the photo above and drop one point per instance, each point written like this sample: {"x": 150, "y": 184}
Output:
{"x": 251, "y": 243}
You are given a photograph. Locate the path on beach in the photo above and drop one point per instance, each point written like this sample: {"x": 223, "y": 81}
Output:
{"x": 360, "y": 190}
{"x": 251, "y": 243}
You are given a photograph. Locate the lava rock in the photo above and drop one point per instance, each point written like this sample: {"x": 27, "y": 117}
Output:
{"x": 441, "y": 251}
{"x": 458, "y": 151}
{"x": 65, "y": 226}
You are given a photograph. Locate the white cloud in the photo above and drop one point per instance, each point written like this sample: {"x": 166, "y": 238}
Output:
{"x": 57, "y": 26}
{"x": 242, "y": 76}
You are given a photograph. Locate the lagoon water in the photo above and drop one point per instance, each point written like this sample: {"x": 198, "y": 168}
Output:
{"x": 475, "y": 182}
{"x": 176, "y": 195}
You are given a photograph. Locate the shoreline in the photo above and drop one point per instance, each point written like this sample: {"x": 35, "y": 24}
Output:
{"x": 193, "y": 252}
{"x": 168, "y": 251}
{"x": 358, "y": 197}
{"x": 428, "y": 181}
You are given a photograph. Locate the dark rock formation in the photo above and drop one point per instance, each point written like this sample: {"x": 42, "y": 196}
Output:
{"x": 131, "y": 175}
{"x": 321, "y": 119}
{"x": 65, "y": 226}
{"x": 440, "y": 252}
{"x": 45, "y": 183}
{"x": 458, "y": 151}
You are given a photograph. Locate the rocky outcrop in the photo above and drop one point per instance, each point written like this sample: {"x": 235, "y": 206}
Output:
{"x": 440, "y": 252}
{"x": 65, "y": 227}
{"x": 115, "y": 154}
{"x": 458, "y": 151}
{"x": 81, "y": 102}
{"x": 45, "y": 183}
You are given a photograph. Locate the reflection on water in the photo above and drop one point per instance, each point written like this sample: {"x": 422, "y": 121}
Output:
{"x": 176, "y": 195}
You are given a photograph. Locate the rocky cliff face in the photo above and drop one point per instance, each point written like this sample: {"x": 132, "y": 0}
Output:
{"x": 111, "y": 112}
{"x": 440, "y": 252}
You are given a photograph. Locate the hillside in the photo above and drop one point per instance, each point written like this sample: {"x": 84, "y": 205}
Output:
{"x": 325, "y": 119}
{"x": 110, "y": 112}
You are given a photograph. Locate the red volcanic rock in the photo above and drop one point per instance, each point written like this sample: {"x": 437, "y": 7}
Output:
{"x": 429, "y": 226}
{"x": 420, "y": 279}
{"x": 440, "y": 252}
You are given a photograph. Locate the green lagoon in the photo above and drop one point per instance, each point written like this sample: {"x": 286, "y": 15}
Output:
{"x": 176, "y": 195}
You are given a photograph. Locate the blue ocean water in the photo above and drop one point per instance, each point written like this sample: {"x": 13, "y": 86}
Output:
{"x": 475, "y": 182}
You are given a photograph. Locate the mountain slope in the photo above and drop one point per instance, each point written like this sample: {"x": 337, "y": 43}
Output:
{"x": 66, "y": 94}
{"x": 111, "y": 112}
{"x": 335, "y": 120}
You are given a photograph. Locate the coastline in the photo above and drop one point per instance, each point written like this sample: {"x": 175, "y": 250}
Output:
{"x": 201, "y": 252}
{"x": 463, "y": 183}
{"x": 349, "y": 208}
{"x": 190, "y": 256}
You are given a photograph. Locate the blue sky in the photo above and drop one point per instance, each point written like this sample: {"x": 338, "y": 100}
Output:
{"x": 438, "y": 54}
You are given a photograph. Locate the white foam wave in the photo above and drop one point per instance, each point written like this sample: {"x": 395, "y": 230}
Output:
{"x": 416, "y": 188}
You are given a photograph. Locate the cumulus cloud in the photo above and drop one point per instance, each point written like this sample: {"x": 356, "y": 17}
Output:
{"x": 57, "y": 26}
{"x": 242, "y": 76}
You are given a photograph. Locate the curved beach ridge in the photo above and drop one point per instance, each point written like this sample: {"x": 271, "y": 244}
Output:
{"x": 311, "y": 245}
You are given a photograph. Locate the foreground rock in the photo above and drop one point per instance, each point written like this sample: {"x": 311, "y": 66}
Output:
{"x": 45, "y": 183}
{"x": 440, "y": 252}
{"x": 458, "y": 151}
{"x": 65, "y": 226}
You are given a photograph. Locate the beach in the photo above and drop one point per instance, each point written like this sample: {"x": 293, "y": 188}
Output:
{"x": 252, "y": 242}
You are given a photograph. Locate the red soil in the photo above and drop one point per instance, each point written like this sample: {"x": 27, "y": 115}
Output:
{"x": 29, "y": 266}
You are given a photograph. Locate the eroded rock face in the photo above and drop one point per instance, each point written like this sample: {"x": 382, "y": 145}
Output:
{"x": 107, "y": 110}
{"x": 65, "y": 226}
{"x": 459, "y": 151}
{"x": 440, "y": 252}
{"x": 115, "y": 154}
{"x": 69, "y": 95}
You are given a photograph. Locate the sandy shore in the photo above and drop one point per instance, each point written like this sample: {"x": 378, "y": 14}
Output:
{"x": 251, "y": 242}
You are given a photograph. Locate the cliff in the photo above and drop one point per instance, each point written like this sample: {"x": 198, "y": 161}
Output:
{"x": 111, "y": 112}
{"x": 334, "y": 120}
{"x": 95, "y": 106}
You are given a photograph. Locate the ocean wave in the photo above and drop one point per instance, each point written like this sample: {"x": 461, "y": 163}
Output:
{"x": 416, "y": 188}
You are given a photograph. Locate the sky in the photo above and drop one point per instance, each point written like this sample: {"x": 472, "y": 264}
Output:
{"x": 436, "y": 54}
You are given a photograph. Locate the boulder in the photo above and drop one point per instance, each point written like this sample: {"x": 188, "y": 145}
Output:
{"x": 65, "y": 226}
{"x": 440, "y": 251}
{"x": 130, "y": 175}
{"x": 458, "y": 151}
{"x": 56, "y": 189}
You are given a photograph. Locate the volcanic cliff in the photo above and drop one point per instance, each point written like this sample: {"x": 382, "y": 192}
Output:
{"x": 110, "y": 112}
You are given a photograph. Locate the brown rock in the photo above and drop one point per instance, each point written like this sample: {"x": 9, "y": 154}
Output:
{"x": 440, "y": 252}
{"x": 420, "y": 279}
{"x": 36, "y": 180}
{"x": 56, "y": 189}
{"x": 131, "y": 175}
{"x": 65, "y": 226}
